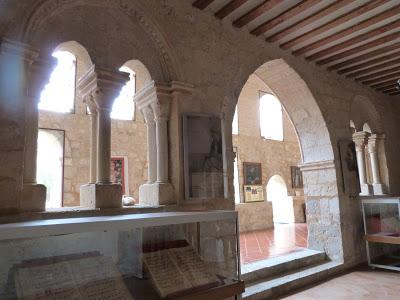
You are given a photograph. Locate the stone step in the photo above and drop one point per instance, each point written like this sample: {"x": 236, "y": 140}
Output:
{"x": 274, "y": 287}
{"x": 272, "y": 267}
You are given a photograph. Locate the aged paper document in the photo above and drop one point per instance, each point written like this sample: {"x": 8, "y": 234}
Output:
{"x": 93, "y": 278}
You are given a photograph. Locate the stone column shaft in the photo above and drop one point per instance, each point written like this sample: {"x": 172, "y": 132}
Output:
{"x": 103, "y": 145}
{"x": 162, "y": 150}
{"x": 360, "y": 140}
{"x": 151, "y": 144}
{"x": 93, "y": 146}
{"x": 31, "y": 137}
{"x": 373, "y": 155}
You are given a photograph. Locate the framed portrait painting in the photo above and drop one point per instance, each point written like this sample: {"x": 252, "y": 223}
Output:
{"x": 203, "y": 156}
{"x": 297, "y": 177}
{"x": 119, "y": 172}
{"x": 252, "y": 173}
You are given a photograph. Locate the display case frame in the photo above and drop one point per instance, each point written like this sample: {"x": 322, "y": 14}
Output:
{"x": 67, "y": 226}
{"x": 379, "y": 237}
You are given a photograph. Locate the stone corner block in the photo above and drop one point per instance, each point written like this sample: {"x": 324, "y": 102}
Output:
{"x": 156, "y": 194}
{"x": 33, "y": 198}
{"x": 379, "y": 189}
{"x": 95, "y": 195}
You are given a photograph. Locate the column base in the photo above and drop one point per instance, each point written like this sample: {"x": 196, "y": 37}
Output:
{"x": 366, "y": 190}
{"x": 155, "y": 194}
{"x": 96, "y": 195}
{"x": 33, "y": 198}
{"x": 379, "y": 189}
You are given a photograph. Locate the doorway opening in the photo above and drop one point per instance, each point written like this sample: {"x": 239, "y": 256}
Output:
{"x": 50, "y": 165}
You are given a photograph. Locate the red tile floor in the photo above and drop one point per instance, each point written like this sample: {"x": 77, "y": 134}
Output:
{"x": 262, "y": 244}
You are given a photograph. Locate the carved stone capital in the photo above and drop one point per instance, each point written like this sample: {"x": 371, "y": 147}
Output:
{"x": 148, "y": 115}
{"x": 104, "y": 85}
{"x": 373, "y": 142}
{"x": 39, "y": 75}
{"x": 90, "y": 103}
{"x": 360, "y": 139}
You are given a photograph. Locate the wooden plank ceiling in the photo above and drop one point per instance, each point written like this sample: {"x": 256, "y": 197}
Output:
{"x": 359, "y": 39}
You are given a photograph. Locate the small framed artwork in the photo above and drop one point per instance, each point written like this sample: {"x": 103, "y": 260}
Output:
{"x": 253, "y": 193}
{"x": 119, "y": 172}
{"x": 297, "y": 177}
{"x": 252, "y": 173}
{"x": 348, "y": 162}
{"x": 204, "y": 162}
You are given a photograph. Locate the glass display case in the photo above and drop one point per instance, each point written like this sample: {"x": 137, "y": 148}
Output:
{"x": 382, "y": 232}
{"x": 167, "y": 255}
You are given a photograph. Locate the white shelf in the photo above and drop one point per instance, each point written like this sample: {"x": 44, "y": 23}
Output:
{"x": 42, "y": 228}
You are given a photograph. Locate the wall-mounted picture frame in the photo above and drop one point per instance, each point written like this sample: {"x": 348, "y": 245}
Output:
{"x": 297, "y": 177}
{"x": 252, "y": 173}
{"x": 119, "y": 172}
{"x": 253, "y": 193}
{"x": 204, "y": 156}
{"x": 349, "y": 167}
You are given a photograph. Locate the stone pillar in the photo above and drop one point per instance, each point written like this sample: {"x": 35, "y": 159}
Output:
{"x": 102, "y": 86}
{"x": 156, "y": 98}
{"x": 377, "y": 186}
{"x": 151, "y": 144}
{"x": 360, "y": 140}
{"x": 93, "y": 139}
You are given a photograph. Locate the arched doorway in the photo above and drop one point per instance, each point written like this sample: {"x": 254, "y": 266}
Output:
{"x": 282, "y": 206}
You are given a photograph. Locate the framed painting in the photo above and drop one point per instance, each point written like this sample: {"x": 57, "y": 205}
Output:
{"x": 204, "y": 161}
{"x": 297, "y": 177}
{"x": 253, "y": 193}
{"x": 119, "y": 172}
{"x": 349, "y": 167}
{"x": 252, "y": 173}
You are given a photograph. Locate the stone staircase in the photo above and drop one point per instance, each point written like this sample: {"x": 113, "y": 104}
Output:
{"x": 271, "y": 278}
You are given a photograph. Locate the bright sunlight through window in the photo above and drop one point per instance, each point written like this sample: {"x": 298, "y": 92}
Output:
{"x": 235, "y": 122}
{"x": 124, "y": 108}
{"x": 271, "y": 122}
{"x": 59, "y": 94}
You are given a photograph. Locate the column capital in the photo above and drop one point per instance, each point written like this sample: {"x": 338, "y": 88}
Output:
{"x": 148, "y": 115}
{"x": 39, "y": 74}
{"x": 373, "y": 141}
{"x": 360, "y": 139}
{"x": 103, "y": 85}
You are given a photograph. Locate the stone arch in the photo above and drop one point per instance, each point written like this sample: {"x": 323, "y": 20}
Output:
{"x": 163, "y": 67}
{"x": 363, "y": 111}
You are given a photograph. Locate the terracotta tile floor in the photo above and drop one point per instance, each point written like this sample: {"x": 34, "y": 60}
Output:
{"x": 363, "y": 284}
{"x": 262, "y": 244}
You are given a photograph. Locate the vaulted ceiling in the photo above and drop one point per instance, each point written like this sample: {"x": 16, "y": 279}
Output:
{"x": 359, "y": 39}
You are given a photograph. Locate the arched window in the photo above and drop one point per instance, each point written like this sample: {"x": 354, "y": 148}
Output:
{"x": 235, "y": 122}
{"x": 59, "y": 94}
{"x": 124, "y": 108}
{"x": 271, "y": 122}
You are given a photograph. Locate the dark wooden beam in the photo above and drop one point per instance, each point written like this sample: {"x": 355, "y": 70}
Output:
{"x": 348, "y": 31}
{"x": 356, "y": 40}
{"x": 379, "y": 74}
{"x": 375, "y": 68}
{"x": 367, "y": 46}
{"x": 202, "y": 4}
{"x": 387, "y": 87}
{"x": 394, "y": 93}
{"x": 369, "y": 63}
{"x": 383, "y": 78}
{"x": 229, "y": 8}
{"x": 286, "y": 15}
{"x": 308, "y": 20}
{"x": 391, "y": 90}
{"x": 365, "y": 56}
{"x": 334, "y": 23}
{"x": 384, "y": 84}
{"x": 256, "y": 12}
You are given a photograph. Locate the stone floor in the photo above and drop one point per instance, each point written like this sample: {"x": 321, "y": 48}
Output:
{"x": 361, "y": 284}
{"x": 262, "y": 244}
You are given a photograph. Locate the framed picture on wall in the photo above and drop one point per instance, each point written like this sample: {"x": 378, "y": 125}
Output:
{"x": 348, "y": 162}
{"x": 119, "y": 172}
{"x": 253, "y": 193}
{"x": 252, "y": 173}
{"x": 204, "y": 166}
{"x": 297, "y": 177}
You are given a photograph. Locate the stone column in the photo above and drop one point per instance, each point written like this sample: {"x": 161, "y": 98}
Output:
{"x": 377, "y": 186}
{"x": 93, "y": 139}
{"x": 103, "y": 86}
{"x": 360, "y": 140}
{"x": 161, "y": 112}
{"x": 151, "y": 144}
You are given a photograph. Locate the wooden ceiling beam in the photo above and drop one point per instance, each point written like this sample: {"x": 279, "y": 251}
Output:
{"x": 229, "y": 8}
{"x": 310, "y": 19}
{"x": 356, "y": 12}
{"x": 390, "y": 90}
{"x": 369, "y": 63}
{"x": 375, "y": 68}
{"x": 383, "y": 78}
{"x": 379, "y": 74}
{"x": 365, "y": 56}
{"x": 202, "y": 4}
{"x": 256, "y": 12}
{"x": 394, "y": 93}
{"x": 284, "y": 16}
{"x": 384, "y": 84}
{"x": 355, "y": 50}
{"x": 354, "y": 41}
{"x": 387, "y": 87}
{"x": 348, "y": 31}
